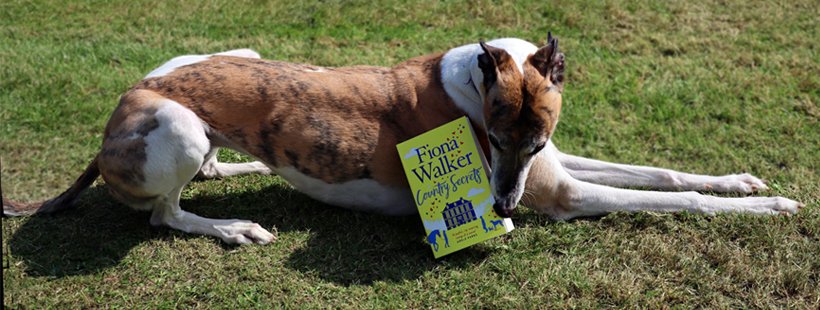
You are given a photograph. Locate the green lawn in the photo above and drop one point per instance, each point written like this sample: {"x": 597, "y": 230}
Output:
{"x": 711, "y": 87}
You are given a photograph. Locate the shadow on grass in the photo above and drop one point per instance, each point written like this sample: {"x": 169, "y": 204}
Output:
{"x": 345, "y": 247}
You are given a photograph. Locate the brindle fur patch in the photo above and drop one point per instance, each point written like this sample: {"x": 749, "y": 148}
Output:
{"x": 123, "y": 156}
{"x": 334, "y": 124}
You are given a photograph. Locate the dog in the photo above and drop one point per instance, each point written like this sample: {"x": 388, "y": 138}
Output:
{"x": 331, "y": 133}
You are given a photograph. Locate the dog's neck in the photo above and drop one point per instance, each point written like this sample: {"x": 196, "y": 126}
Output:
{"x": 462, "y": 77}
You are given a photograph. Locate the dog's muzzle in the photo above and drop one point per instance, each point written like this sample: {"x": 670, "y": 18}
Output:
{"x": 504, "y": 207}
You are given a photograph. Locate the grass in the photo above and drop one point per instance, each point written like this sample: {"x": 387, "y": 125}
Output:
{"x": 711, "y": 87}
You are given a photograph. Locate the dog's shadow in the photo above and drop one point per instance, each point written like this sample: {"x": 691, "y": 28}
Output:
{"x": 344, "y": 247}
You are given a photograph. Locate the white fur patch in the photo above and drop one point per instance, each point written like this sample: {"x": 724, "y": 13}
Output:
{"x": 181, "y": 61}
{"x": 363, "y": 195}
{"x": 174, "y": 150}
{"x": 462, "y": 77}
{"x": 242, "y": 52}
{"x": 315, "y": 70}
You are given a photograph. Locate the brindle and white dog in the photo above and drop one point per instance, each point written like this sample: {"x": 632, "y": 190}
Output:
{"x": 332, "y": 132}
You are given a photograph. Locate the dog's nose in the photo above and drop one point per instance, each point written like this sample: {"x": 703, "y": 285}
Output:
{"x": 502, "y": 210}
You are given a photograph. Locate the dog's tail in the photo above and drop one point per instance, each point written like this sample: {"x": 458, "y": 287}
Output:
{"x": 63, "y": 202}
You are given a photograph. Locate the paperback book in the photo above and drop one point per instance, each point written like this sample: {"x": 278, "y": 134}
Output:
{"x": 447, "y": 173}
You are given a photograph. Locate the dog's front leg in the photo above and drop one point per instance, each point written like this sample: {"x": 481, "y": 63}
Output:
{"x": 620, "y": 175}
{"x": 552, "y": 190}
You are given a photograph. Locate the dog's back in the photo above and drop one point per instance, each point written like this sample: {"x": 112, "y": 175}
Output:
{"x": 328, "y": 123}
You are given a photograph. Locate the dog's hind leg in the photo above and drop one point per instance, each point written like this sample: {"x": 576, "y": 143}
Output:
{"x": 153, "y": 148}
{"x": 212, "y": 168}
{"x": 552, "y": 190}
{"x": 620, "y": 175}
{"x": 167, "y": 212}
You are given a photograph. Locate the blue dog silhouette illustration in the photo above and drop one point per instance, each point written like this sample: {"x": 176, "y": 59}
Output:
{"x": 496, "y": 223}
{"x": 431, "y": 239}
{"x": 437, "y": 234}
{"x": 484, "y": 224}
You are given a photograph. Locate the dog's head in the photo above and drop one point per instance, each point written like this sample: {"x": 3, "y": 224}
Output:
{"x": 520, "y": 114}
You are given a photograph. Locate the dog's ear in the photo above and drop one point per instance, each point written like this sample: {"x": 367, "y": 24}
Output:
{"x": 549, "y": 61}
{"x": 489, "y": 61}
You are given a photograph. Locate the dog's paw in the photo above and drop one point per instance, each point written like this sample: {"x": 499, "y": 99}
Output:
{"x": 261, "y": 168}
{"x": 786, "y": 206}
{"x": 775, "y": 205}
{"x": 244, "y": 232}
{"x": 736, "y": 183}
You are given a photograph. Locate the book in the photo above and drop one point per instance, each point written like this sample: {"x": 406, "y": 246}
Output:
{"x": 447, "y": 172}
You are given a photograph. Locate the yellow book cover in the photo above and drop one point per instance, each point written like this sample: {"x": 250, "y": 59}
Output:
{"x": 448, "y": 176}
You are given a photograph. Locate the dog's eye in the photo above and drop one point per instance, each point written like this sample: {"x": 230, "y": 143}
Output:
{"x": 537, "y": 149}
{"x": 495, "y": 143}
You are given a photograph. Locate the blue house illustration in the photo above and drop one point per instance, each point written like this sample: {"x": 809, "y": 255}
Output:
{"x": 458, "y": 213}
